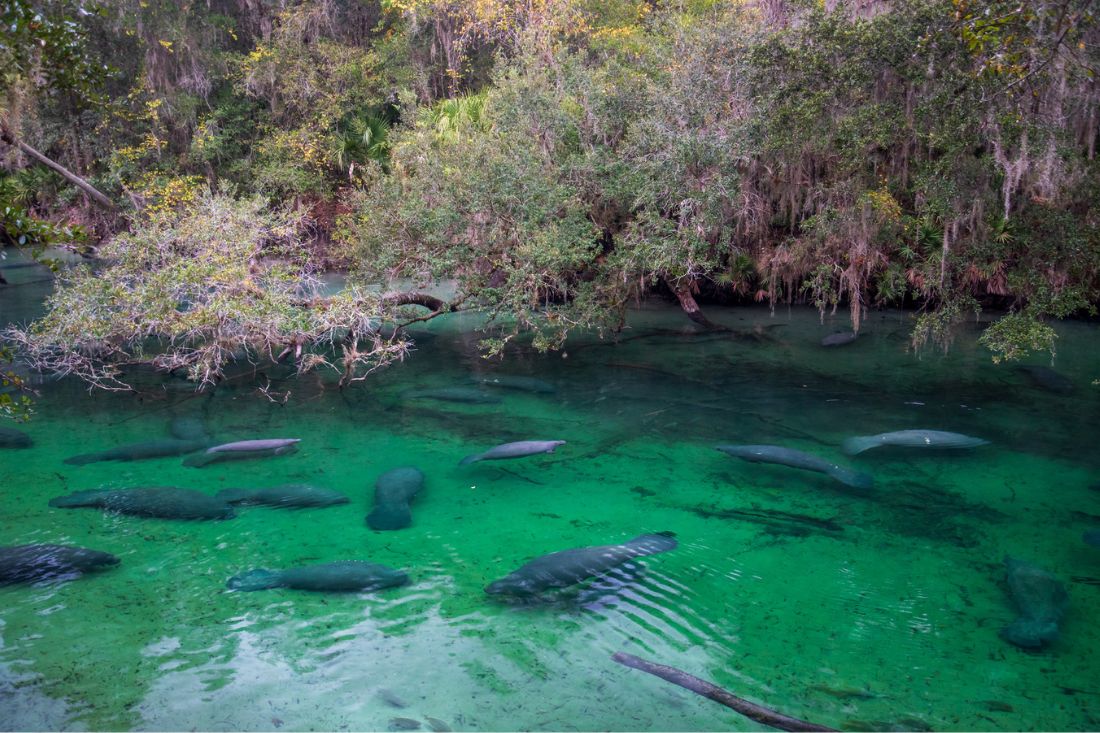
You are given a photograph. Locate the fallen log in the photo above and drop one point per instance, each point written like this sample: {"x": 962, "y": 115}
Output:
{"x": 750, "y": 710}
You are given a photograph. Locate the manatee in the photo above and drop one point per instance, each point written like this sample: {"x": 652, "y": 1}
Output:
{"x": 839, "y": 339}
{"x": 467, "y": 395}
{"x": 244, "y": 450}
{"x": 287, "y": 495}
{"x": 34, "y": 563}
{"x": 138, "y": 451}
{"x": 1092, "y": 537}
{"x": 518, "y": 449}
{"x": 520, "y": 384}
{"x": 392, "y": 493}
{"x": 1046, "y": 378}
{"x": 164, "y": 502}
{"x": 343, "y": 576}
{"x": 936, "y": 439}
{"x": 1041, "y": 601}
{"x": 798, "y": 459}
{"x": 189, "y": 428}
{"x": 12, "y": 438}
{"x": 569, "y": 567}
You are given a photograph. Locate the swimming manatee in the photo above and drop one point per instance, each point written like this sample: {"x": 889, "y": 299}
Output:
{"x": 12, "y": 438}
{"x": 518, "y": 449}
{"x": 1041, "y": 601}
{"x": 244, "y": 450}
{"x": 138, "y": 451}
{"x": 1046, "y": 378}
{"x": 392, "y": 493}
{"x": 290, "y": 496}
{"x": 569, "y": 567}
{"x": 798, "y": 459}
{"x": 163, "y": 502}
{"x": 34, "y": 563}
{"x": 520, "y": 384}
{"x": 934, "y": 439}
{"x": 189, "y": 428}
{"x": 344, "y": 576}
{"x": 464, "y": 395}
{"x": 839, "y": 339}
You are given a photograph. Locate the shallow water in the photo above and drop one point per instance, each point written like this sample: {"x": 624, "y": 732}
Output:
{"x": 851, "y": 608}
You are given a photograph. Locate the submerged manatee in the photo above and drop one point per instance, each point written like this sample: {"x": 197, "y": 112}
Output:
{"x": 164, "y": 502}
{"x": 521, "y": 384}
{"x": 12, "y": 438}
{"x": 392, "y": 493}
{"x": 936, "y": 439}
{"x": 839, "y": 339}
{"x": 518, "y": 449}
{"x": 33, "y": 563}
{"x": 798, "y": 459}
{"x": 1041, "y": 600}
{"x": 466, "y": 395}
{"x": 569, "y": 567}
{"x": 138, "y": 451}
{"x": 189, "y": 428}
{"x": 244, "y": 450}
{"x": 287, "y": 495}
{"x": 344, "y": 576}
{"x": 1046, "y": 378}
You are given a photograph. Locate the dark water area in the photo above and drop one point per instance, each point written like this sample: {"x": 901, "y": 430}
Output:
{"x": 855, "y": 608}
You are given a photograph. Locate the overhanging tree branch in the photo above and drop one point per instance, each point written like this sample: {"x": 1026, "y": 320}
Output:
{"x": 9, "y": 137}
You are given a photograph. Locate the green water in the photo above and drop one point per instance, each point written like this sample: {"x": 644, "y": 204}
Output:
{"x": 850, "y": 608}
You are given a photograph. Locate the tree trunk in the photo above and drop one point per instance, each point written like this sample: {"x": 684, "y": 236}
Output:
{"x": 750, "y": 710}
{"x": 7, "y": 136}
{"x": 691, "y": 308}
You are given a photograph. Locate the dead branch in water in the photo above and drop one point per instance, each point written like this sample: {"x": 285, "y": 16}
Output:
{"x": 750, "y": 710}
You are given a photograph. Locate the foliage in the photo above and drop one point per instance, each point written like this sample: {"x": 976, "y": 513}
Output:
{"x": 563, "y": 158}
{"x": 219, "y": 280}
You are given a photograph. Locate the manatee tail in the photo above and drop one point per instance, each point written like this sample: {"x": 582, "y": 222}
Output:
{"x": 1030, "y": 633}
{"x": 474, "y": 458}
{"x": 651, "y": 544}
{"x": 235, "y": 496}
{"x": 855, "y": 479}
{"x": 200, "y": 459}
{"x": 854, "y": 446}
{"x": 84, "y": 459}
{"x": 258, "y": 579}
{"x": 79, "y": 499}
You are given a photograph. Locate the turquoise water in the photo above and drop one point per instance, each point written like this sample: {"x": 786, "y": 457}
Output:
{"x": 852, "y": 608}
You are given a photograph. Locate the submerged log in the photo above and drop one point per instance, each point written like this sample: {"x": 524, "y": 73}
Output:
{"x": 750, "y": 710}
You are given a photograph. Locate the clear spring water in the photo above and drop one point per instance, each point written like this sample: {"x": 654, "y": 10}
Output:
{"x": 856, "y": 609}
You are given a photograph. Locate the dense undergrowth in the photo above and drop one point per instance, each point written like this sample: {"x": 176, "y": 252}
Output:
{"x": 558, "y": 159}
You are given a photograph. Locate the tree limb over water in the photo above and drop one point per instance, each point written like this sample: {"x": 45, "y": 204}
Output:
{"x": 750, "y": 710}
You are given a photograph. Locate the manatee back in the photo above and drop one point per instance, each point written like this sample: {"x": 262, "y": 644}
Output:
{"x": 1029, "y": 633}
{"x": 189, "y": 428}
{"x": 390, "y": 516}
{"x": 237, "y": 495}
{"x": 32, "y": 563}
{"x": 398, "y": 485}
